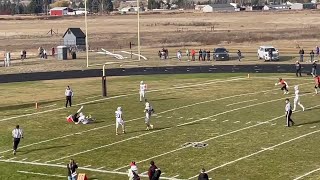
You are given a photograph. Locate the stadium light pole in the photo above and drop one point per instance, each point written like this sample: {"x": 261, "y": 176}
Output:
{"x": 138, "y": 9}
{"x": 86, "y": 27}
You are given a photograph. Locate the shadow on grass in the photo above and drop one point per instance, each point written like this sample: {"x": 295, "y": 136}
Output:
{"x": 27, "y": 105}
{"x": 306, "y": 123}
{"x": 163, "y": 99}
{"x": 46, "y": 148}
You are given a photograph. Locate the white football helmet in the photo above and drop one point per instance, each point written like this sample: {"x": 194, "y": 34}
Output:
{"x": 296, "y": 87}
{"x": 119, "y": 109}
{"x": 141, "y": 82}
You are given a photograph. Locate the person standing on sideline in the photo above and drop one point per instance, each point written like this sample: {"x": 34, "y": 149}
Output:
{"x": 188, "y": 54}
{"x": 239, "y": 55}
{"x": 142, "y": 92}
{"x": 72, "y": 170}
{"x": 314, "y": 69}
{"x": 152, "y": 170}
{"x": 133, "y": 172}
{"x": 284, "y": 85}
{"x": 311, "y": 56}
{"x": 17, "y": 134}
{"x": 297, "y": 98}
{"x": 298, "y": 68}
{"x": 316, "y": 83}
{"x": 148, "y": 110}
{"x": 301, "y": 53}
{"x": 69, "y": 94}
{"x": 317, "y": 51}
{"x": 288, "y": 113}
{"x": 203, "y": 175}
{"x": 119, "y": 120}
{"x": 208, "y": 55}
{"x": 193, "y": 55}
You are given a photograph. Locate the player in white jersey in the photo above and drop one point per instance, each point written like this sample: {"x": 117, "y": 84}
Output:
{"x": 142, "y": 91}
{"x": 83, "y": 119}
{"x": 148, "y": 110}
{"x": 297, "y": 98}
{"x": 119, "y": 120}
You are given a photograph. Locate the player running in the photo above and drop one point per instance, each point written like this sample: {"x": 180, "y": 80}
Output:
{"x": 317, "y": 83}
{"x": 148, "y": 110}
{"x": 284, "y": 87}
{"x": 297, "y": 99}
{"x": 142, "y": 92}
{"x": 119, "y": 120}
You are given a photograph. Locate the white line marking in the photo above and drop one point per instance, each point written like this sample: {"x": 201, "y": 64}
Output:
{"x": 169, "y": 117}
{"x": 158, "y": 116}
{"x": 313, "y": 127}
{"x": 273, "y": 124}
{"x": 117, "y": 142}
{"x": 80, "y": 168}
{"x": 268, "y": 149}
{"x": 36, "y": 160}
{"x": 101, "y": 167}
{"x": 1, "y": 157}
{"x": 170, "y": 110}
{"x": 12, "y": 158}
{"x": 241, "y": 102}
{"x": 236, "y": 122}
{"x": 24, "y": 159}
{"x": 180, "y": 117}
{"x": 209, "y": 139}
{"x": 225, "y": 120}
{"x": 306, "y": 174}
{"x": 60, "y": 163}
{"x": 258, "y": 152}
{"x": 213, "y": 120}
{"x": 146, "y": 172}
{"x": 114, "y": 97}
{"x": 300, "y": 126}
{"x": 248, "y": 122}
{"x": 41, "y": 174}
{"x": 176, "y": 176}
{"x": 87, "y": 166}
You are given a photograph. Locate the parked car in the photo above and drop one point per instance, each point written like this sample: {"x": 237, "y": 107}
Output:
{"x": 221, "y": 54}
{"x": 264, "y": 53}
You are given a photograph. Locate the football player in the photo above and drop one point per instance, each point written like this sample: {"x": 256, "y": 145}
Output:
{"x": 284, "y": 85}
{"x": 119, "y": 120}
{"x": 317, "y": 83}
{"x": 142, "y": 92}
{"x": 148, "y": 110}
{"x": 297, "y": 99}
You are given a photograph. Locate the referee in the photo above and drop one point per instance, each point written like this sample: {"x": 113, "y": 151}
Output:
{"x": 288, "y": 113}
{"x": 68, "y": 93}
{"x": 17, "y": 134}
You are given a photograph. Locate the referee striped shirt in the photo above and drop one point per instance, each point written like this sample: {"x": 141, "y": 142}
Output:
{"x": 17, "y": 133}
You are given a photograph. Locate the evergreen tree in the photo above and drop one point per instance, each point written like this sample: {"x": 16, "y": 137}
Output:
{"x": 109, "y": 6}
{"x": 35, "y": 7}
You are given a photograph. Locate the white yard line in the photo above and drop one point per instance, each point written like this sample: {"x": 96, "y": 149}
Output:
{"x": 241, "y": 102}
{"x": 146, "y": 172}
{"x": 87, "y": 166}
{"x": 41, "y": 174}
{"x": 306, "y": 174}
{"x": 170, "y": 110}
{"x": 36, "y": 160}
{"x": 277, "y": 78}
{"x": 209, "y": 139}
{"x": 101, "y": 167}
{"x": 80, "y": 168}
{"x": 258, "y": 152}
{"x": 117, "y": 142}
{"x": 225, "y": 120}
{"x": 24, "y": 159}
{"x": 114, "y": 97}
{"x": 236, "y": 122}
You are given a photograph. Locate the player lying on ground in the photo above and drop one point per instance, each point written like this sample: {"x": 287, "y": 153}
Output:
{"x": 79, "y": 117}
{"x": 284, "y": 86}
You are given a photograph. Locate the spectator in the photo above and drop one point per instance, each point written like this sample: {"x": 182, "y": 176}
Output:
{"x": 208, "y": 55}
{"x": 188, "y": 54}
{"x": 152, "y": 170}
{"x": 44, "y": 54}
{"x": 193, "y": 55}
{"x": 133, "y": 172}
{"x": 159, "y": 54}
{"x": 203, "y": 175}
{"x": 314, "y": 69}
{"x": 53, "y": 51}
{"x": 69, "y": 94}
{"x": 239, "y": 55}
{"x": 72, "y": 170}
{"x": 204, "y": 54}
{"x": 311, "y": 56}
{"x": 21, "y": 56}
{"x": 179, "y": 55}
{"x": 200, "y": 55}
{"x": 24, "y": 54}
{"x": 270, "y": 54}
{"x": 317, "y": 51}
{"x": 301, "y": 53}
{"x": 298, "y": 68}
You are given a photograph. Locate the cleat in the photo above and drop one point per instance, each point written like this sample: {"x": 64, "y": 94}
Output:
{"x": 151, "y": 126}
{"x": 117, "y": 134}
{"x": 14, "y": 152}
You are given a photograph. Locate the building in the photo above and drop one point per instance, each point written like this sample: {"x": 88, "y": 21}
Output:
{"x": 275, "y": 7}
{"x": 60, "y": 11}
{"x": 218, "y": 7}
{"x": 74, "y": 37}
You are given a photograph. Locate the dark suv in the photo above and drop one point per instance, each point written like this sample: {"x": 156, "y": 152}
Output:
{"x": 220, "y": 54}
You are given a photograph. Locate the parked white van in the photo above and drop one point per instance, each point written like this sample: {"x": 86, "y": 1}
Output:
{"x": 264, "y": 53}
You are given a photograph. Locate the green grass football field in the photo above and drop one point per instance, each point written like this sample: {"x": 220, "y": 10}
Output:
{"x": 240, "y": 119}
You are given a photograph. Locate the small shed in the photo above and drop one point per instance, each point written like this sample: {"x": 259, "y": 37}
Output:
{"x": 218, "y": 7}
{"x": 60, "y": 11}
{"x": 74, "y": 37}
{"x": 276, "y": 7}
{"x": 297, "y": 6}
